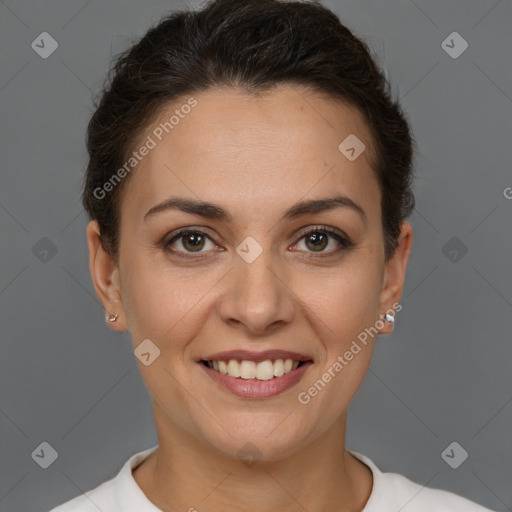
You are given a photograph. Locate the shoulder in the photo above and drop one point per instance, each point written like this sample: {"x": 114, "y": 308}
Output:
{"x": 119, "y": 494}
{"x": 101, "y": 497}
{"x": 392, "y": 491}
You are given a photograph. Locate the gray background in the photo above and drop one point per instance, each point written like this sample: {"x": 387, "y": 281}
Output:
{"x": 443, "y": 376}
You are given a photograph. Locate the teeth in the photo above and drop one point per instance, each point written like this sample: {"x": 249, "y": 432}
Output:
{"x": 233, "y": 368}
{"x": 247, "y": 369}
{"x": 264, "y": 370}
{"x": 278, "y": 368}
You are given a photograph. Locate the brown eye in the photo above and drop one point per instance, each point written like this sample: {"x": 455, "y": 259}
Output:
{"x": 316, "y": 240}
{"x": 191, "y": 241}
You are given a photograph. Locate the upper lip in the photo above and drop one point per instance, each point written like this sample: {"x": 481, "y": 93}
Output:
{"x": 248, "y": 355}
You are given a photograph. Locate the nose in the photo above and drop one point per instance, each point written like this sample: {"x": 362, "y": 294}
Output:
{"x": 257, "y": 296}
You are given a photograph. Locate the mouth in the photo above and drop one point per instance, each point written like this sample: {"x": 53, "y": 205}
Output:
{"x": 267, "y": 369}
{"x": 256, "y": 375}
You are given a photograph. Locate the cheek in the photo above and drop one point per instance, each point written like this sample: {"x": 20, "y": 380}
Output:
{"x": 341, "y": 310}
{"x": 342, "y": 302}
{"x": 163, "y": 303}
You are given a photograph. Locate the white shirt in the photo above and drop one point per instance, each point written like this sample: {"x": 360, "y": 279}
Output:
{"x": 391, "y": 492}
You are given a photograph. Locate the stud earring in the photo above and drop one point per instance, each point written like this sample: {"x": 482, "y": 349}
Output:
{"x": 390, "y": 318}
{"x": 110, "y": 318}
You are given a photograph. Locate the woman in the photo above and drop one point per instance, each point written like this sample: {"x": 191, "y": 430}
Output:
{"x": 248, "y": 185}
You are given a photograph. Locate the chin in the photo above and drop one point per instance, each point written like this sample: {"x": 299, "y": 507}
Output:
{"x": 252, "y": 438}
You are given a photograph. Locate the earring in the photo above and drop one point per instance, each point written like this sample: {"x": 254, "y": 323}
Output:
{"x": 390, "y": 318}
{"x": 110, "y": 318}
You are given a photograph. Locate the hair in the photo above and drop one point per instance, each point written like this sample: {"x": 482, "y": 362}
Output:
{"x": 251, "y": 46}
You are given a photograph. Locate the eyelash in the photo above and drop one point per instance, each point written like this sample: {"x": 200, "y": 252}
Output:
{"x": 344, "y": 241}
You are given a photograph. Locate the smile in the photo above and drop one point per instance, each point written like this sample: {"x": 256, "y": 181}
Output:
{"x": 246, "y": 369}
{"x": 264, "y": 375}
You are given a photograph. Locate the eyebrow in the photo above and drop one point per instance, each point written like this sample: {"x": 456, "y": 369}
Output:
{"x": 213, "y": 211}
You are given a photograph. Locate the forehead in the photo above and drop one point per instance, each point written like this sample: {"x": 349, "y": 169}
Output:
{"x": 252, "y": 154}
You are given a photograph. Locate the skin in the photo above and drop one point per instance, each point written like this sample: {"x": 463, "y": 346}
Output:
{"x": 255, "y": 157}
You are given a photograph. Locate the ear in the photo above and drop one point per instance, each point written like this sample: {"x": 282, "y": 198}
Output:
{"x": 394, "y": 276}
{"x": 105, "y": 277}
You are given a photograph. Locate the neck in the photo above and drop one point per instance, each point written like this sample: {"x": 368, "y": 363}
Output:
{"x": 190, "y": 475}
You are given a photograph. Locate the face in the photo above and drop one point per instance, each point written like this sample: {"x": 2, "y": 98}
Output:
{"x": 285, "y": 262}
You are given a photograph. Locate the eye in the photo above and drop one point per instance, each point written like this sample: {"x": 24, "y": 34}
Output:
{"x": 190, "y": 240}
{"x": 316, "y": 240}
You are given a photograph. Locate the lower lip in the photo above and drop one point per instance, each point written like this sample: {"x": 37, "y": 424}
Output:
{"x": 254, "y": 388}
